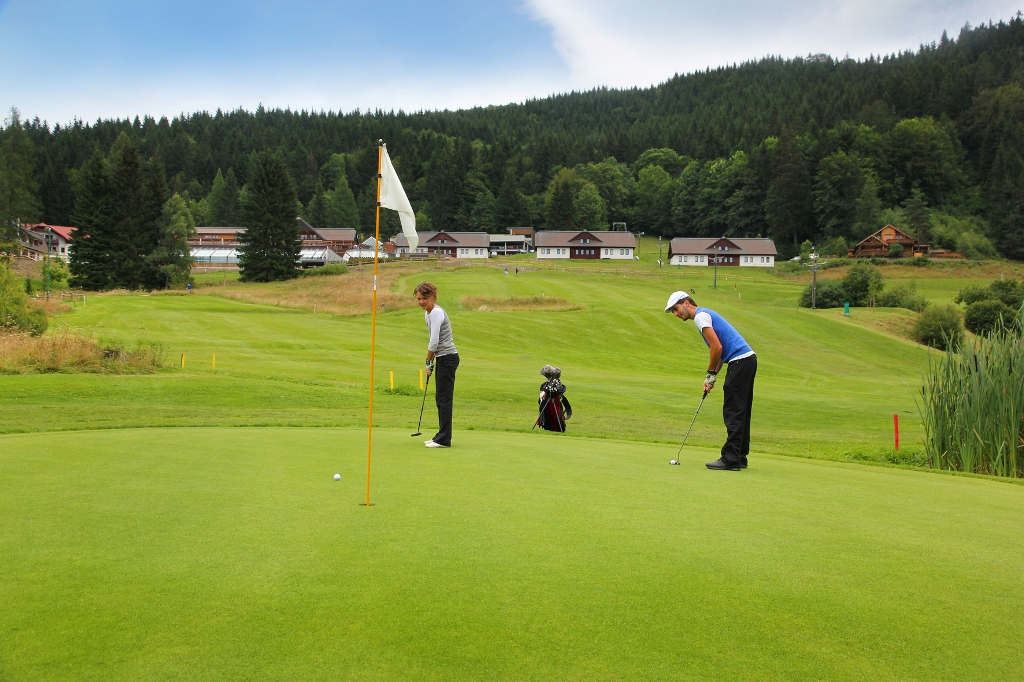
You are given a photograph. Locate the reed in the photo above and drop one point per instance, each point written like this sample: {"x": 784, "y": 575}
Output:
{"x": 972, "y": 405}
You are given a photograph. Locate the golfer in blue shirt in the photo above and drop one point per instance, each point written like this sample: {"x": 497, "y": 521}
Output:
{"x": 726, "y": 346}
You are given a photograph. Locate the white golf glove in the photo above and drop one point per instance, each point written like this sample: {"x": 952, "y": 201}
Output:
{"x": 430, "y": 365}
{"x": 710, "y": 378}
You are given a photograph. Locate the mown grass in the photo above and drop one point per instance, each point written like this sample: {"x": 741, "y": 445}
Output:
{"x": 231, "y": 554}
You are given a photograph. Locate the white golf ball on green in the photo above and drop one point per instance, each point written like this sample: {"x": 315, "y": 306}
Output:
{"x": 337, "y": 477}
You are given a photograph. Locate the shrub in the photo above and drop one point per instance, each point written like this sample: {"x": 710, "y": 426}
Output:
{"x": 830, "y": 294}
{"x": 15, "y": 314}
{"x": 985, "y": 317}
{"x": 862, "y": 282}
{"x": 971, "y": 295}
{"x": 939, "y": 326}
{"x": 326, "y": 270}
{"x": 903, "y": 296}
{"x": 67, "y": 352}
{"x": 1009, "y": 291}
{"x": 895, "y": 250}
{"x": 920, "y": 261}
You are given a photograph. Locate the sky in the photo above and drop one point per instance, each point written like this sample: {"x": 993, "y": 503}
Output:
{"x": 86, "y": 59}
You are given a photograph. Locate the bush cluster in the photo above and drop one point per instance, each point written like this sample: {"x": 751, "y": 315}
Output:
{"x": 987, "y": 315}
{"x": 15, "y": 313}
{"x": 939, "y": 326}
{"x": 326, "y": 270}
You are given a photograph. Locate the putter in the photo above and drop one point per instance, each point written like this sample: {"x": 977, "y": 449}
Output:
{"x": 676, "y": 460}
{"x": 422, "y": 404}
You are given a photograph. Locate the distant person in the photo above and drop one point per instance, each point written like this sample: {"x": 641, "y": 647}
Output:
{"x": 189, "y": 287}
{"x": 443, "y": 358}
{"x": 506, "y": 271}
{"x": 726, "y": 346}
{"x": 517, "y": 272}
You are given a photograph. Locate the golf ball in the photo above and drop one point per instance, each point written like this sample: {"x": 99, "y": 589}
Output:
{"x": 337, "y": 477}
{"x": 672, "y": 461}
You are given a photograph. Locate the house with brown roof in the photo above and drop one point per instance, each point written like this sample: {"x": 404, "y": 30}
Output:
{"x": 724, "y": 251}
{"x": 573, "y": 245}
{"x": 216, "y": 236}
{"x": 878, "y": 244}
{"x": 447, "y": 244}
{"x": 33, "y": 240}
{"x": 337, "y": 239}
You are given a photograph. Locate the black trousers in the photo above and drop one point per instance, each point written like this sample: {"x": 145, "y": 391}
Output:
{"x": 736, "y": 407}
{"x": 444, "y": 395}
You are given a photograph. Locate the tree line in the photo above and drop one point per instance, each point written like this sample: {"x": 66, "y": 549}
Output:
{"x": 801, "y": 149}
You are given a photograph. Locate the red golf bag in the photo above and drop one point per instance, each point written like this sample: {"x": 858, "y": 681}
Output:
{"x": 554, "y": 406}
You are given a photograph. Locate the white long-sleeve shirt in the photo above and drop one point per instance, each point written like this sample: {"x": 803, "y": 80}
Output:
{"x": 440, "y": 329}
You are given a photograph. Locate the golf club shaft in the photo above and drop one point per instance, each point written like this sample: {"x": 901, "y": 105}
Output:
{"x": 691, "y": 424}
{"x": 423, "y": 404}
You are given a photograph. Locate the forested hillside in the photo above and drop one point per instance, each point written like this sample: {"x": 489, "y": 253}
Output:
{"x": 817, "y": 148}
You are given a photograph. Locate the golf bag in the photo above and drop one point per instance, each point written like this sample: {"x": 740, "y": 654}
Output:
{"x": 554, "y": 406}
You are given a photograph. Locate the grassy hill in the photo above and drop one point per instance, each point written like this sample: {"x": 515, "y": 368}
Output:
{"x": 193, "y": 549}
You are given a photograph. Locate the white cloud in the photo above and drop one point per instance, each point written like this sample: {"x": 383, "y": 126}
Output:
{"x": 624, "y": 43}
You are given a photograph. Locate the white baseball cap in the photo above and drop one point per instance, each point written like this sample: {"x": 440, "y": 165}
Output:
{"x": 676, "y": 297}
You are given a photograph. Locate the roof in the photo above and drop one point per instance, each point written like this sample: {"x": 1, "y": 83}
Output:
{"x": 747, "y": 246}
{"x": 609, "y": 238}
{"x": 432, "y": 239}
{"x": 62, "y": 230}
{"x": 219, "y": 230}
{"x": 877, "y": 236}
{"x": 509, "y": 239}
{"x": 337, "y": 234}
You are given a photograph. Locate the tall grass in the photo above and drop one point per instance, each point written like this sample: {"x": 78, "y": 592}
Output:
{"x": 972, "y": 405}
{"x": 68, "y": 352}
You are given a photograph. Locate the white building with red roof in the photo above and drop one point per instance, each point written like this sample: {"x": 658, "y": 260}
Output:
{"x": 33, "y": 240}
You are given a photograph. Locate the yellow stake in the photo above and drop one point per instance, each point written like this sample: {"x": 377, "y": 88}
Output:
{"x": 392, "y": 380}
{"x": 213, "y": 364}
{"x": 183, "y": 361}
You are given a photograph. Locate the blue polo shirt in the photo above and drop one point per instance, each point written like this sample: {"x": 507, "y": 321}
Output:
{"x": 734, "y": 346}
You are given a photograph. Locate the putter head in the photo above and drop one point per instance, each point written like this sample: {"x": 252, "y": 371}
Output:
{"x": 418, "y": 433}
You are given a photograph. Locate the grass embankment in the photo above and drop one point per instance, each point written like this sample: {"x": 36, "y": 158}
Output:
{"x": 824, "y": 387}
{"x": 232, "y": 554}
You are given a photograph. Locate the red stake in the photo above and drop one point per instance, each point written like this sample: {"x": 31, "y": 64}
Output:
{"x": 896, "y": 428}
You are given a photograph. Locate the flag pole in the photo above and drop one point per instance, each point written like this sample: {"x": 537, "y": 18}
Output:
{"x": 373, "y": 323}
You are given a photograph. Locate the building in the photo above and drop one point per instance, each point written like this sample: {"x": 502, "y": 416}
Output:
{"x": 585, "y": 245}
{"x": 338, "y": 240}
{"x": 447, "y": 244}
{"x": 216, "y": 236}
{"x": 365, "y": 251}
{"x": 878, "y": 244}
{"x": 730, "y": 251}
{"x": 32, "y": 241}
{"x": 510, "y": 244}
{"x": 227, "y": 256}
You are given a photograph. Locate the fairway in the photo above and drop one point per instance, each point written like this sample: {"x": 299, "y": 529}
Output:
{"x": 232, "y": 553}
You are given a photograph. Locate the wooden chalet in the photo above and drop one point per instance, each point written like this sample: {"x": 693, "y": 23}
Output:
{"x": 878, "y": 244}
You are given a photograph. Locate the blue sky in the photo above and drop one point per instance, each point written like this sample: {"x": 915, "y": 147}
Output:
{"x": 104, "y": 58}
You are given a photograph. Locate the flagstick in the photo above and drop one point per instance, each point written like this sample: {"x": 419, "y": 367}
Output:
{"x": 373, "y": 324}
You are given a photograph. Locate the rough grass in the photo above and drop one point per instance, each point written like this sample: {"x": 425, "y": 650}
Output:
{"x": 66, "y": 351}
{"x": 347, "y": 294}
{"x": 541, "y": 303}
{"x": 193, "y": 554}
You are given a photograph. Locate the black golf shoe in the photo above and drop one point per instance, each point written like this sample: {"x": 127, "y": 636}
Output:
{"x": 743, "y": 463}
{"x": 719, "y": 465}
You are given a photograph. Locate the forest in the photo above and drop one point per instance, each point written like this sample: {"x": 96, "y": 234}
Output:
{"x": 814, "y": 148}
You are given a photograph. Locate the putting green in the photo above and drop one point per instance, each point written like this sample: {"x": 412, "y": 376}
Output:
{"x": 232, "y": 553}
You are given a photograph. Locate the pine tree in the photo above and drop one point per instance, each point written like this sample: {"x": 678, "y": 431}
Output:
{"x": 92, "y": 252}
{"x": 917, "y": 214}
{"x": 788, "y": 201}
{"x": 155, "y": 198}
{"x": 559, "y": 212}
{"x": 171, "y": 258}
{"x": 18, "y": 203}
{"x": 316, "y": 212}
{"x": 131, "y": 211}
{"x": 222, "y": 201}
{"x": 55, "y": 190}
{"x": 270, "y": 244}
{"x": 511, "y": 209}
{"x": 341, "y": 207}
{"x": 444, "y": 186}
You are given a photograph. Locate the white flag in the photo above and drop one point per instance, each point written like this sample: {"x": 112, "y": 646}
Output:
{"x": 393, "y": 196}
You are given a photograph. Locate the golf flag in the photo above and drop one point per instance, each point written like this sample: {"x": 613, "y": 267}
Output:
{"x": 393, "y": 196}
